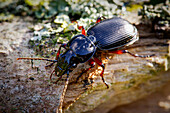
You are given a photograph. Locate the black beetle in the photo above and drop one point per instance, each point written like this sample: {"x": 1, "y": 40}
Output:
{"x": 106, "y": 35}
{"x": 110, "y": 34}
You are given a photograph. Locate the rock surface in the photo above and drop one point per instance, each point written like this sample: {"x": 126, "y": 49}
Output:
{"x": 27, "y": 89}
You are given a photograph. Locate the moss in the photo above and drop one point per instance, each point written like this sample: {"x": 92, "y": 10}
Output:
{"x": 6, "y": 17}
{"x": 134, "y": 7}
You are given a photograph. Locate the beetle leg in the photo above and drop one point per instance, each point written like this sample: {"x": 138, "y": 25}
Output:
{"x": 58, "y": 79}
{"x": 99, "y": 19}
{"x": 134, "y": 55}
{"x": 58, "y": 53}
{"x": 92, "y": 64}
{"x": 82, "y": 30}
{"x": 55, "y": 74}
{"x": 52, "y": 74}
{"x": 49, "y": 65}
{"x": 60, "y": 76}
{"x": 117, "y": 52}
{"x": 103, "y": 66}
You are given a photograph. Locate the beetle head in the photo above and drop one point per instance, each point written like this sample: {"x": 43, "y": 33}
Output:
{"x": 78, "y": 50}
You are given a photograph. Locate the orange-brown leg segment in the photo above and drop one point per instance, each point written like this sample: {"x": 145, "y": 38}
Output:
{"x": 103, "y": 66}
{"x": 58, "y": 53}
{"x": 99, "y": 19}
{"x": 82, "y": 30}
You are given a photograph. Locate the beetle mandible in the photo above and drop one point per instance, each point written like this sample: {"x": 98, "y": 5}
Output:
{"x": 110, "y": 35}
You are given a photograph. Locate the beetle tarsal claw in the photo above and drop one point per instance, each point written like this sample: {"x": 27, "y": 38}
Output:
{"x": 105, "y": 82}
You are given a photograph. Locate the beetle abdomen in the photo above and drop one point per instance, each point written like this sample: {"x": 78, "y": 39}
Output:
{"x": 113, "y": 33}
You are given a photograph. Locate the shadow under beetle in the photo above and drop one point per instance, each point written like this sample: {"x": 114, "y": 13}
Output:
{"x": 106, "y": 35}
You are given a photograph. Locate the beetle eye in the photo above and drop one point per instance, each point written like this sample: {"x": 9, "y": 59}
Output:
{"x": 74, "y": 65}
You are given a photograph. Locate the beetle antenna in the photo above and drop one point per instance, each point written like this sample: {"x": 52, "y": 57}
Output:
{"x": 63, "y": 94}
{"x": 37, "y": 59}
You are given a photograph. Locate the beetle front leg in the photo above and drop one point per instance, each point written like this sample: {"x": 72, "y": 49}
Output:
{"x": 57, "y": 79}
{"x": 103, "y": 66}
{"x": 58, "y": 53}
{"x": 51, "y": 74}
{"x": 51, "y": 64}
{"x": 57, "y": 56}
{"x": 60, "y": 76}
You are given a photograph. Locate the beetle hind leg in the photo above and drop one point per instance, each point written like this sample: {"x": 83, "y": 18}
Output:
{"x": 134, "y": 55}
